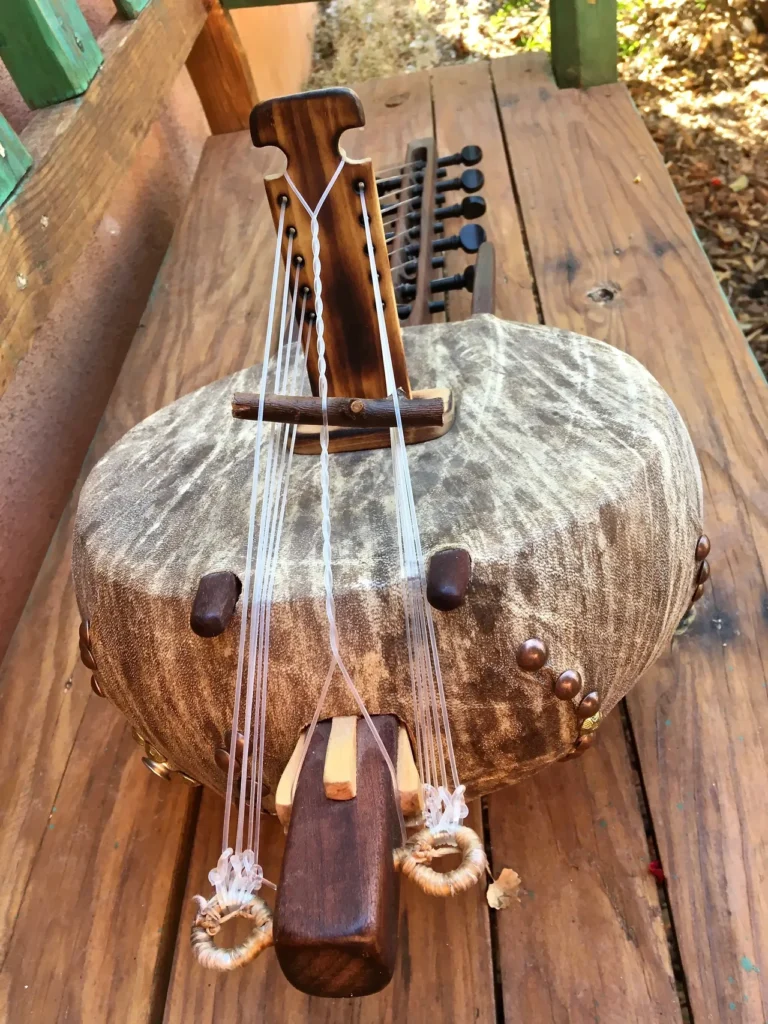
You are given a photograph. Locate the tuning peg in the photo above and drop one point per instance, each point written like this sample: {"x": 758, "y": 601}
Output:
{"x": 437, "y": 306}
{"x": 450, "y": 284}
{"x": 470, "y": 238}
{"x": 470, "y": 208}
{"x": 406, "y": 290}
{"x": 470, "y": 180}
{"x": 387, "y": 185}
{"x": 468, "y": 156}
{"x": 404, "y": 310}
{"x": 438, "y": 262}
{"x": 408, "y": 270}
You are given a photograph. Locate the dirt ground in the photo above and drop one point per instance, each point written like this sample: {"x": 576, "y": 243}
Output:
{"x": 698, "y": 72}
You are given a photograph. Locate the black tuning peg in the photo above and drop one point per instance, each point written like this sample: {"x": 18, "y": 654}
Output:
{"x": 450, "y": 284}
{"x": 406, "y": 291}
{"x": 384, "y": 185}
{"x": 437, "y": 306}
{"x": 470, "y": 208}
{"x": 438, "y": 262}
{"x": 470, "y": 238}
{"x": 413, "y": 220}
{"x": 470, "y": 180}
{"x": 468, "y": 156}
{"x": 404, "y": 310}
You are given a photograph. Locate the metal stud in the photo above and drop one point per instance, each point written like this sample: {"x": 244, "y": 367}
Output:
{"x": 96, "y": 688}
{"x": 85, "y": 632}
{"x": 703, "y": 547}
{"x": 221, "y": 757}
{"x": 589, "y": 706}
{"x": 532, "y": 655}
{"x": 240, "y": 746}
{"x": 159, "y": 768}
{"x": 187, "y": 778}
{"x": 704, "y": 572}
{"x": 567, "y": 684}
{"x": 698, "y": 593}
{"x": 87, "y": 657}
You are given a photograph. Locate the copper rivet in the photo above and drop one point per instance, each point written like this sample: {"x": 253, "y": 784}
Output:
{"x": 704, "y": 572}
{"x": 567, "y": 684}
{"x": 221, "y": 757}
{"x": 240, "y": 745}
{"x": 589, "y": 706}
{"x": 158, "y": 768}
{"x": 532, "y": 655}
{"x": 87, "y": 658}
{"x": 95, "y": 687}
{"x": 703, "y": 547}
{"x": 85, "y": 632}
{"x": 698, "y": 593}
{"x": 584, "y": 743}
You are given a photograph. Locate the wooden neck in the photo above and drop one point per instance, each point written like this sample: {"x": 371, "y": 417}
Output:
{"x": 307, "y": 128}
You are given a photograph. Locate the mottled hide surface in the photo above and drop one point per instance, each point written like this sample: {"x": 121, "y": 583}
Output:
{"x": 568, "y": 474}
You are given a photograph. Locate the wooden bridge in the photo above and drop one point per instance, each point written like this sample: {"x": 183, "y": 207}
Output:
{"x": 100, "y": 859}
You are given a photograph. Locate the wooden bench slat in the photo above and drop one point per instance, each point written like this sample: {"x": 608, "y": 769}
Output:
{"x": 546, "y": 828}
{"x": 601, "y": 212}
{"x": 465, "y": 114}
{"x": 15, "y": 161}
{"x": 80, "y": 148}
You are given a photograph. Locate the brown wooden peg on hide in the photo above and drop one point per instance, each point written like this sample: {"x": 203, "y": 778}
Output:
{"x": 704, "y": 572}
{"x": 448, "y": 578}
{"x": 484, "y": 290}
{"x": 214, "y": 603}
{"x": 567, "y": 685}
{"x": 703, "y": 547}
{"x": 335, "y": 924}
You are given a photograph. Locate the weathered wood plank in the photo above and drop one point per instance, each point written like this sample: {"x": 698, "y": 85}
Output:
{"x": 443, "y": 972}
{"x": 465, "y": 114}
{"x": 219, "y": 69}
{"x": 48, "y": 49}
{"x": 209, "y": 329}
{"x": 15, "y": 161}
{"x": 548, "y": 971}
{"x": 444, "y": 978}
{"x": 585, "y": 43}
{"x": 615, "y": 256}
{"x": 587, "y": 940}
{"x": 79, "y": 149}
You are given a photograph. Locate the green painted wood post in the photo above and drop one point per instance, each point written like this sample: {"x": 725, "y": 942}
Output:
{"x": 584, "y": 42}
{"x": 48, "y": 49}
{"x": 130, "y": 8}
{"x": 15, "y": 161}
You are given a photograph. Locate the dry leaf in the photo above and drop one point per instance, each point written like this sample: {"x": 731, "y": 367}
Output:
{"x": 500, "y": 893}
{"x": 739, "y": 184}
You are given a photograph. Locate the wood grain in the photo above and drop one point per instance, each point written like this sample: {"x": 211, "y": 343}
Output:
{"x": 79, "y": 148}
{"x": 465, "y": 114}
{"x": 586, "y": 941}
{"x": 340, "y": 412}
{"x": 615, "y": 256}
{"x": 443, "y": 973}
{"x": 336, "y": 911}
{"x": 219, "y": 69}
{"x": 171, "y": 355}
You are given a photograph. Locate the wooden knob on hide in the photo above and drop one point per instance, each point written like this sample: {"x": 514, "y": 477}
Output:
{"x": 589, "y": 706}
{"x": 214, "y": 603}
{"x": 703, "y": 547}
{"x": 567, "y": 685}
{"x": 448, "y": 578}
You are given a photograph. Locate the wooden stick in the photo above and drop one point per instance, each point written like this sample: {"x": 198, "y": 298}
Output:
{"x": 284, "y": 792}
{"x": 408, "y": 782}
{"x": 342, "y": 412}
{"x": 340, "y": 769}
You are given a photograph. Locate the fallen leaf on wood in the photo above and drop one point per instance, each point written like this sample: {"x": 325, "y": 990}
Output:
{"x": 739, "y": 184}
{"x": 499, "y": 893}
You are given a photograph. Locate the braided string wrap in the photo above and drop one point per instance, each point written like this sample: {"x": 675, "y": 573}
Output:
{"x": 209, "y": 919}
{"x": 414, "y": 859}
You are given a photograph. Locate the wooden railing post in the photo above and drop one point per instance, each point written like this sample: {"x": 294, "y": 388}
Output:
{"x": 15, "y": 161}
{"x": 48, "y": 49}
{"x": 584, "y": 42}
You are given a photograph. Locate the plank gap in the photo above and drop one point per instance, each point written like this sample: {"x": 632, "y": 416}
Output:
{"x": 498, "y": 994}
{"x": 681, "y": 982}
{"x": 518, "y": 206}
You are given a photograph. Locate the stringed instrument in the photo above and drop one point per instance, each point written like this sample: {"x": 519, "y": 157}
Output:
{"x": 402, "y": 563}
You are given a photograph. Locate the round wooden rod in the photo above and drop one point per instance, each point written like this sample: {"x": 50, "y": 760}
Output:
{"x": 342, "y": 412}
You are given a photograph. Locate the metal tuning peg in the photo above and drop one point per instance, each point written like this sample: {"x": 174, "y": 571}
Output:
{"x": 437, "y": 306}
{"x": 438, "y": 262}
{"x": 404, "y": 310}
{"x": 471, "y": 180}
{"x": 406, "y": 291}
{"x": 470, "y": 238}
{"x": 470, "y": 208}
{"x": 452, "y": 284}
{"x": 468, "y": 156}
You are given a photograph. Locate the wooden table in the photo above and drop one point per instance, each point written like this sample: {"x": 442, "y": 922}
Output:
{"x": 100, "y": 859}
